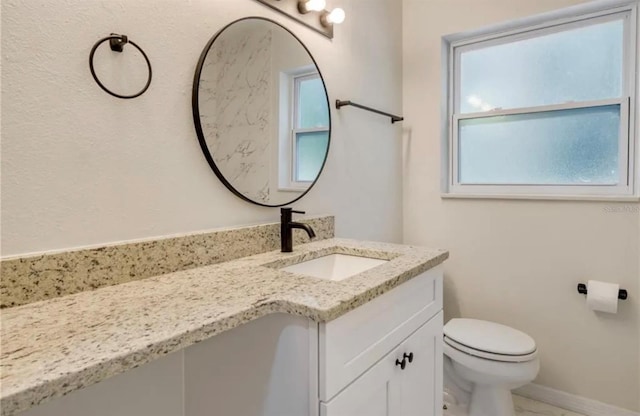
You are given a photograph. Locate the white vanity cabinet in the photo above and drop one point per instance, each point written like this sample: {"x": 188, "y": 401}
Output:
{"x": 285, "y": 365}
{"x": 361, "y": 354}
{"x": 388, "y": 390}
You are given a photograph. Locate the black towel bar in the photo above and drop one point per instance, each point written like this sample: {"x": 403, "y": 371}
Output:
{"x": 341, "y": 103}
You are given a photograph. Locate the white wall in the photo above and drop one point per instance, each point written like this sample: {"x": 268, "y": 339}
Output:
{"x": 518, "y": 262}
{"x": 80, "y": 167}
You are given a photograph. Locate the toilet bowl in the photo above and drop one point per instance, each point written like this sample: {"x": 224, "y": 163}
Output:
{"x": 483, "y": 362}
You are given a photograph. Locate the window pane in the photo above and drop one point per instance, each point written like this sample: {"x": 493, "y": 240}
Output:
{"x": 313, "y": 110}
{"x": 574, "y": 65}
{"x": 311, "y": 149}
{"x": 577, "y": 146}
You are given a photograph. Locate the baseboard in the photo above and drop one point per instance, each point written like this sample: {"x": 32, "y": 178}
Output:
{"x": 571, "y": 402}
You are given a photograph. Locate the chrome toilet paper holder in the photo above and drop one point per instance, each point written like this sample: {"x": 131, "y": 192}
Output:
{"x": 582, "y": 288}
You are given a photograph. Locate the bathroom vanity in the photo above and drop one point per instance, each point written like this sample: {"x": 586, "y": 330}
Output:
{"x": 244, "y": 337}
{"x": 334, "y": 328}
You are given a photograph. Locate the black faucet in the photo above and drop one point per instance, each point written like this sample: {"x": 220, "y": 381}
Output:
{"x": 287, "y": 226}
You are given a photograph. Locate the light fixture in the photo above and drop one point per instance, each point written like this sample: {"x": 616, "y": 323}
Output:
{"x": 306, "y": 6}
{"x": 335, "y": 16}
{"x": 311, "y": 13}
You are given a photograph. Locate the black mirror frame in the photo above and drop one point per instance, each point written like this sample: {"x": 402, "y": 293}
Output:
{"x": 198, "y": 125}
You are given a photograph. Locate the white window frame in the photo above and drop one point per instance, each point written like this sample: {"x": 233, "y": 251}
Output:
{"x": 297, "y": 80}
{"x": 287, "y": 104}
{"x": 577, "y": 16}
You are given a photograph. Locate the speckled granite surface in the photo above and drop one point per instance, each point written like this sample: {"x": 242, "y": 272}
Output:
{"x": 57, "y": 346}
{"x": 46, "y": 276}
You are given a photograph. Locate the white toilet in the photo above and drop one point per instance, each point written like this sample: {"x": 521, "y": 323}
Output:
{"x": 483, "y": 362}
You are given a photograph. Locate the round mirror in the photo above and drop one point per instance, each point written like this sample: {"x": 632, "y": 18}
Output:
{"x": 261, "y": 112}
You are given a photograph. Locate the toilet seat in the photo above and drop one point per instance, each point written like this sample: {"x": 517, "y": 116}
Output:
{"x": 505, "y": 358}
{"x": 489, "y": 340}
{"x": 494, "y": 375}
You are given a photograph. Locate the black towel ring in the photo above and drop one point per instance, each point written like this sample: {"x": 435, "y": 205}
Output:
{"x": 117, "y": 42}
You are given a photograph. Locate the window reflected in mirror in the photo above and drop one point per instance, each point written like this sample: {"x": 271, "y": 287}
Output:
{"x": 261, "y": 112}
{"x": 307, "y": 136}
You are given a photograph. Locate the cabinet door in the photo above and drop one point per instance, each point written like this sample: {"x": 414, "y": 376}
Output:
{"x": 387, "y": 390}
{"x": 375, "y": 393}
{"x": 421, "y": 381}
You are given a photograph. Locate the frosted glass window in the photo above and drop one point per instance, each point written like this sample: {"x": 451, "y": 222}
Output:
{"x": 544, "y": 110}
{"x": 581, "y": 64}
{"x": 311, "y": 127}
{"x": 311, "y": 149}
{"x": 312, "y": 103}
{"x": 574, "y": 147}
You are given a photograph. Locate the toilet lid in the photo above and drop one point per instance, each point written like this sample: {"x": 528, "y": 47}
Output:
{"x": 505, "y": 358}
{"x": 489, "y": 337}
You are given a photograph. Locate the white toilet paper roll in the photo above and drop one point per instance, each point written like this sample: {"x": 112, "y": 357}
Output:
{"x": 602, "y": 296}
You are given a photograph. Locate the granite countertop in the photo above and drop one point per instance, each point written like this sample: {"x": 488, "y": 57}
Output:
{"x": 53, "y": 347}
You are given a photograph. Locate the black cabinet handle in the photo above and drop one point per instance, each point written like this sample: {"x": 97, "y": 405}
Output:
{"x": 405, "y": 357}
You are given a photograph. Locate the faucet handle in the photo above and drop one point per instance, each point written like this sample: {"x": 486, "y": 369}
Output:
{"x": 288, "y": 210}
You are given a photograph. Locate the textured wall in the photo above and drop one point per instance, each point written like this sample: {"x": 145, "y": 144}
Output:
{"x": 518, "y": 262}
{"x": 80, "y": 167}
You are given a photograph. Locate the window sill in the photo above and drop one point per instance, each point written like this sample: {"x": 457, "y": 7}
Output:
{"x": 595, "y": 198}
{"x": 298, "y": 190}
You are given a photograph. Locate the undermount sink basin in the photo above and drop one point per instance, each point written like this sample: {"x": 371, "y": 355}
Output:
{"x": 334, "y": 266}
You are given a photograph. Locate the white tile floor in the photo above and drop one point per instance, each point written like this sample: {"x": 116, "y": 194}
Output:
{"x": 527, "y": 407}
